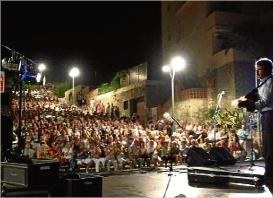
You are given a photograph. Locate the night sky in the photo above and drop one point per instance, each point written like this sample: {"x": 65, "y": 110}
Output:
{"x": 99, "y": 37}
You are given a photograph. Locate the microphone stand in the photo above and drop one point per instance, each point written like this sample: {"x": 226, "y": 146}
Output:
{"x": 217, "y": 109}
{"x": 170, "y": 130}
{"x": 251, "y": 128}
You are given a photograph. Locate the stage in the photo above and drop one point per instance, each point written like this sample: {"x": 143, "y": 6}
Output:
{"x": 147, "y": 182}
{"x": 142, "y": 183}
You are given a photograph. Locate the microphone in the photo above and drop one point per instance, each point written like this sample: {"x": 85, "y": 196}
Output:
{"x": 168, "y": 117}
{"x": 171, "y": 119}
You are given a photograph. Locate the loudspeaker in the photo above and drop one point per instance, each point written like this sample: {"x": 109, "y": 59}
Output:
{"x": 222, "y": 156}
{"x": 199, "y": 157}
{"x": 217, "y": 176}
{"x": 6, "y": 135}
{"x": 18, "y": 192}
{"x": 39, "y": 174}
{"x": 6, "y": 118}
{"x": 78, "y": 185}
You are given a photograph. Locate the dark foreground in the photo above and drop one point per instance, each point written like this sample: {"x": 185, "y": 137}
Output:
{"x": 163, "y": 183}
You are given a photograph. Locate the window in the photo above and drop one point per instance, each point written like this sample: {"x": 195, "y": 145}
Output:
{"x": 125, "y": 105}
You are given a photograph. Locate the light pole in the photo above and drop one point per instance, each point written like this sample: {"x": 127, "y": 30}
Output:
{"x": 74, "y": 72}
{"x": 41, "y": 68}
{"x": 177, "y": 64}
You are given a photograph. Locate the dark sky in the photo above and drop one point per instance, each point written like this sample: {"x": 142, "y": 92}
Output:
{"x": 96, "y": 36}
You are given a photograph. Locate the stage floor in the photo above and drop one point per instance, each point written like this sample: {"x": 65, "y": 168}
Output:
{"x": 141, "y": 183}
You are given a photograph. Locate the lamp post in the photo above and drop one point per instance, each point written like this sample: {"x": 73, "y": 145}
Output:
{"x": 74, "y": 72}
{"x": 41, "y": 68}
{"x": 177, "y": 64}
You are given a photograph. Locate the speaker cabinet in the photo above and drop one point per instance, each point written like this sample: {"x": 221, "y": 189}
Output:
{"x": 79, "y": 186}
{"x": 39, "y": 174}
{"x": 222, "y": 156}
{"x": 14, "y": 192}
{"x": 218, "y": 176}
{"x": 199, "y": 157}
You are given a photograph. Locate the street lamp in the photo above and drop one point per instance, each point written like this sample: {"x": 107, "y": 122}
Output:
{"x": 177, "y": 64}
{"x": 41, "y": 68}
{"x": 74, "y": 72}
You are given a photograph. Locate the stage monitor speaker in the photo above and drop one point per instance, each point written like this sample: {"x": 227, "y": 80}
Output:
{"x": 219, "y": 176}
{"x": 39, "y": 174}
{"x": 222, "y": 156}
{"x": 78, "y": 185}
{"x": 199, "y": 157}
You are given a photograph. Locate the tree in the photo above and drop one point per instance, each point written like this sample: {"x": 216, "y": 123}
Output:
{"x": 113, "y": 85}
{"x": 225, "y": 117}
{"x": 61, "y": 88}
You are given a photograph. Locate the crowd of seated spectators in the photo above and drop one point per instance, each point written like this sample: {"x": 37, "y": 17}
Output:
{"x": 104, "y": 141}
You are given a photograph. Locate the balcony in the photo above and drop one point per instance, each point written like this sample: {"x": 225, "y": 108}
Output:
{"x": 193, "y": 93}
{"x": 230, "y": 55}
{"x": 224, "y": 19}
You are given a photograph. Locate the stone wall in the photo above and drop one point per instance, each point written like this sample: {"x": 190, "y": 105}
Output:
{"x": 191, "y": 109}
{"x": 121, "y": 96}
{"x": 190, "y": 104}
{"x": 68, "y": 95}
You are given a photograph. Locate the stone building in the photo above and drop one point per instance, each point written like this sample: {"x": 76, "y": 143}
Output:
{"x": 135, "y": 95}
{"x": 218, "y": 42}
{"x": 78, "y": 90}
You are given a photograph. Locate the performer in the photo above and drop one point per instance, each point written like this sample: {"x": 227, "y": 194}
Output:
{"x": 264, "y": 104}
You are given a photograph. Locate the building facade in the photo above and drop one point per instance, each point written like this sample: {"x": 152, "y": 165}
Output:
{"x": 219, "y": 51}
{"x": 136, "y": 94}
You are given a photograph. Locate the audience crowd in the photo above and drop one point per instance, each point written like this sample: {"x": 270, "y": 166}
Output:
{"x": 99, "y": 139}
